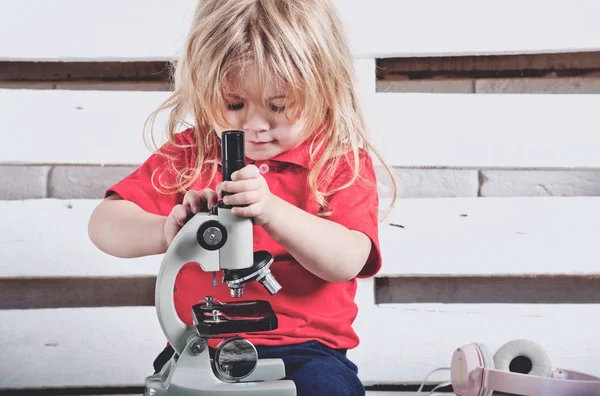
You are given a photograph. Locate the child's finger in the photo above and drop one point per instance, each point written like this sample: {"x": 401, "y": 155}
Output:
{"x": 247, "y": 172}
{"x": 242, "y": 198}
{"x": 195, "y": 201}
{"x": 191, "y": 201}
{"x": 208, "y": 198}
{"x": 247, "y": 211}
{"x": 179, "y": 214}
{"x": 241, "y": 185}
{"x": 175, "y": 221}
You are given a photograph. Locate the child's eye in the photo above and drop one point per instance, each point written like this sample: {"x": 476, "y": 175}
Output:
{"x": 277, "y": 109}
{"x": 235, "y": 106}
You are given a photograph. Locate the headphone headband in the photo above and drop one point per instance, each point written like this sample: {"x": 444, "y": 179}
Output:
{"x": 573, "y": 375}
{"x": 530, "y": 385}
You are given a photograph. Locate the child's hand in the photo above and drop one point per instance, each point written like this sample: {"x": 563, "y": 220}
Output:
{"x": 193, "y": 202}
{"x": 248, "y": 187}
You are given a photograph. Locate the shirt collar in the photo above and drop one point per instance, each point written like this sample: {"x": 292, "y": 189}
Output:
{"x": 300, "y": 155}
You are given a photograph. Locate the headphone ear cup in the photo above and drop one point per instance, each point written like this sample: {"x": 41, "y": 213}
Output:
{"x": 465, "y": 360}
{"x": 488, "y": 363}
{"x": 523, "y": 356}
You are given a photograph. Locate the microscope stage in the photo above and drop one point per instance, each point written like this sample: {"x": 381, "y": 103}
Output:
{"x": 234, "y": 317}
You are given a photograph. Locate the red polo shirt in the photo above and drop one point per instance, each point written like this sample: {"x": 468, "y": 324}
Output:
{"x": 308, "y": 307}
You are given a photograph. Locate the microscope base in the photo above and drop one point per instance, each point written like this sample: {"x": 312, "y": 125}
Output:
{"x": 192, "y": 375}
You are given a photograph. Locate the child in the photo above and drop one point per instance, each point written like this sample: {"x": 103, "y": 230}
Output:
{"x": 280, "y": 71}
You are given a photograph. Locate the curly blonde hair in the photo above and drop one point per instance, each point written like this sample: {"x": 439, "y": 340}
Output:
{"x": 299, "y": 44}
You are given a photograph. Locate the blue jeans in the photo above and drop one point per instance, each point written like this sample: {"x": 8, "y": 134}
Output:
{"x": 315, "y": 368}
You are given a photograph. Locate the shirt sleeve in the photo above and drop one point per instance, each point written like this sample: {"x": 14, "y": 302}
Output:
{"x": 357, "y": 208}
{"x": 156, "y": 171}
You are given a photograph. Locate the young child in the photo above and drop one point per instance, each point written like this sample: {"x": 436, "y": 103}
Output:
{"x": 281, "y": 71}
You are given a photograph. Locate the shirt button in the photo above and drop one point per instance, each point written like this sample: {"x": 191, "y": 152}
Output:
{"x": 263, "y": 168}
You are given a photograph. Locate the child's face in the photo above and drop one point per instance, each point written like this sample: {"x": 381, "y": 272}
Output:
{"x": 268, "y": 131}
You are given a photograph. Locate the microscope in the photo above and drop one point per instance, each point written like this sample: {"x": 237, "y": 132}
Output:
{"x": 218, "y": 240}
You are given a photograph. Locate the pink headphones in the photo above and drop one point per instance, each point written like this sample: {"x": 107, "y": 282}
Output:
{"x": 519, "y": 367}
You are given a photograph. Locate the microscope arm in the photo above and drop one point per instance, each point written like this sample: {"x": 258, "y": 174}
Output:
{"x": 184, "y": 249}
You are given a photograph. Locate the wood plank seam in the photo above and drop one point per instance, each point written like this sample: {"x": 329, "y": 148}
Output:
{"x": 431, "y": 68}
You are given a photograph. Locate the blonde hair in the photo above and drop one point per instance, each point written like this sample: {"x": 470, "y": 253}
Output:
{"x": 299, "y": 44}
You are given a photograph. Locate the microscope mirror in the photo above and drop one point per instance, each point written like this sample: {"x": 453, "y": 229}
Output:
{"x": 235, "y": 359}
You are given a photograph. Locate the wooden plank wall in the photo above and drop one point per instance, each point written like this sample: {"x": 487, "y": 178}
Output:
{"x": 516, "y": 264}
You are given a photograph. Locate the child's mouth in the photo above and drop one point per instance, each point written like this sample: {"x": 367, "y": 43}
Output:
{"x": 260, "y": 143}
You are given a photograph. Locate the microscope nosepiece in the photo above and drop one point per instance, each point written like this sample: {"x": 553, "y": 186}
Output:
{"x": 259, "y": 271}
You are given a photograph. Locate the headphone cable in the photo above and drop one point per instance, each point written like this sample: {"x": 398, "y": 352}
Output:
{"x": 438, "y": 386}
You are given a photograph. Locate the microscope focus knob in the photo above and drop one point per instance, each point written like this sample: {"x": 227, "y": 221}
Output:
{"x": 211, "y": 235}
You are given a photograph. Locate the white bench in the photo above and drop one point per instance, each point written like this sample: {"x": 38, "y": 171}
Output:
{"x": 68, "y": 319}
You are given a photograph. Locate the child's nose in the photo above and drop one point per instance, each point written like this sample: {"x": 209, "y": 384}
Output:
{"x": 255, "y": 121}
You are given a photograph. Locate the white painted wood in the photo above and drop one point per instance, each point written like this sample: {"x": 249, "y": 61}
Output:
{"x": 377, "y": 28}
{"x": 78, "y": 347}
{"x": 389, "y": 393}
{"x": 365, "y": 70}
{"x": 399, "y": 343}
{"x": 80, "y": 127}
{"x": 487, "y": 131}
{"x": 499, "y": 236}
{"x": 402, "y": 343}
{"x": 369, "y": 393}
{"x": 49, "y": 237}
{"x": 366, "y": 85}
{"x": 413, "y": 130}
{"x": 408, "y": 342}
{"x": 71, "y": 30}
{"x": 402, "y": 28}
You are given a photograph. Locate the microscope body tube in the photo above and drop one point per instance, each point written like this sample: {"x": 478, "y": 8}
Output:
{"x": 238, "y": 250}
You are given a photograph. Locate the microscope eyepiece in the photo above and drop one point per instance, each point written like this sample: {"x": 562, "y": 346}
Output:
{"x": 232, "y": 152}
